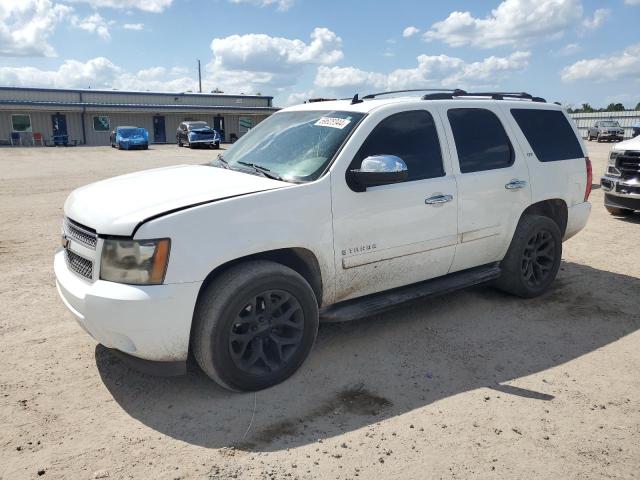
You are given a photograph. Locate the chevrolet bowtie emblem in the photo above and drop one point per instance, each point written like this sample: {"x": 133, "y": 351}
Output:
{"x": 65, "y": 241}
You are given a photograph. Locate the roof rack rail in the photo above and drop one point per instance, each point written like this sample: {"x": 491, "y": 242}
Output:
{"x": 314, "y": 100}
{"x": 374, "y": 95}
{"x": 492, "y": 95}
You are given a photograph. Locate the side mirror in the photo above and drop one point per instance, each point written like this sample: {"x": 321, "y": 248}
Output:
{"x": 378, "y": 170}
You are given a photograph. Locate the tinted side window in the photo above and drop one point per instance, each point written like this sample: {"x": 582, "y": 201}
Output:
{"x": 481, "y": 141}
{"x": 411, "y": 136}
{"x": 549, "y": 134}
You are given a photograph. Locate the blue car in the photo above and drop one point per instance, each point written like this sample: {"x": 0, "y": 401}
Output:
{"x": 128, "y": 138}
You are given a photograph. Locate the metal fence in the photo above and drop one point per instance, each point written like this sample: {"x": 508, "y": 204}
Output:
{"x": 626, "y": 120}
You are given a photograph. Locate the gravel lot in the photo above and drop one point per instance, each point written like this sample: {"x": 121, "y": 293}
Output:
{"x": 476, "y": 384}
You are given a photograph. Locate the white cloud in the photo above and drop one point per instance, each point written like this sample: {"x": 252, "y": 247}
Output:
{"x": 282, "y": 5}
{"x": 609, "y": 68}
{"x": 297, "y": 98}
{"x": 568, "y": 49}
{"x": 599, "y": 16}
{"x": 99, "y": 72}
{"x": 632, "y": 2}
{"x": 513, "y": 22}
{"x": 437, "y": 70}
{"x": 155, "y": 6}
{"x": 410, "y": 32}
{"x": 25, "y": 26}
{"x": 133, "y": 26}
{"x": 248, "y": 62}
{"x": 95, "y": 23}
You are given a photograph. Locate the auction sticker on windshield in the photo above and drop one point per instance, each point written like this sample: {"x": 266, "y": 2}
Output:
{"x": 332, "y": 122}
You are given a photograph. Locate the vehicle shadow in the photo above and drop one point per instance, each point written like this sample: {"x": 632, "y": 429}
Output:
{"x": 363, "y": 372}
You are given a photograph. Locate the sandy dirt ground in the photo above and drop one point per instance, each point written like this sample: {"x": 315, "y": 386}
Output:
{"x": 473, "y": 385}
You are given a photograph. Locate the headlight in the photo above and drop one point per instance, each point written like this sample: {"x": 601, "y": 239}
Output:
{"x": 136, "y": 262}
{"x": 613, "y": 155}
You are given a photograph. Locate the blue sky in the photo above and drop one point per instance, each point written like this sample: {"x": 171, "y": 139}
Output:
{"x": 572, "y": 51}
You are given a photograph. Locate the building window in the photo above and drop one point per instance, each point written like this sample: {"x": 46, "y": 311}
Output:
{"x": 246, "y": 124}
{"x": 101, "y": 123}
{"x": 21, "y": 123}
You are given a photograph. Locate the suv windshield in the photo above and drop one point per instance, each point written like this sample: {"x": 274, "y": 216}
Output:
{"x": 130, "y": 132}
{"x": 191, "y": 126}
{"x": 296, "y": 146}
{"x": 610, "y": 124}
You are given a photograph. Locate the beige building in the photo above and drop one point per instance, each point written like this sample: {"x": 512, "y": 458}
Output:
{"x": 86, "y": 117}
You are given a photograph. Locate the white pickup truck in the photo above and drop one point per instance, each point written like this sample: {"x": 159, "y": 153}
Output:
{"x": 325, "y": 211}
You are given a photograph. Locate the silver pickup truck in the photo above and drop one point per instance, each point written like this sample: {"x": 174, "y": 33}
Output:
{"x": 621, "y": 181}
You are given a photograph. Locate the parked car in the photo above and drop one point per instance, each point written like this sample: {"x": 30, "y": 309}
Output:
{"x": 635, "y": 129}
{"x": 196, "y": 134}
{"x": 605, "y": 130}
{"x": 128, "y": 138}
{"x": 621, "y": 181}
{"x": 329, "y": 210}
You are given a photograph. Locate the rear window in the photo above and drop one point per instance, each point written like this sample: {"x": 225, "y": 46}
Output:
{"x": 481, "y": 141}
{"x": 549, "y": 134}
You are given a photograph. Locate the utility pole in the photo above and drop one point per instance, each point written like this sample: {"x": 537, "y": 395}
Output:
{"x": 199, "y": 78}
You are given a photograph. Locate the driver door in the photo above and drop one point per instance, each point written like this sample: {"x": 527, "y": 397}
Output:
{"x": 393, "y": 235}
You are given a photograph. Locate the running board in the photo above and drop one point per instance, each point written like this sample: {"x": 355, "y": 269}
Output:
{"x": 382, "y": 302}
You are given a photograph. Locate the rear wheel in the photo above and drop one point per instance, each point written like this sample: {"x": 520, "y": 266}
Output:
{"x": 254, "y": 325}
{"x": 620, "y": 212}
{"x": 533, "y": 258}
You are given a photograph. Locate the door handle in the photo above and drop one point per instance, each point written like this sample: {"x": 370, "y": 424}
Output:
{"x": 515, "y": 184}
{"x": 438, "y": 199}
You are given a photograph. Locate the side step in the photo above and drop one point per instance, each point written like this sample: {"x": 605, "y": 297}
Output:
{"x": 382, "y": 302}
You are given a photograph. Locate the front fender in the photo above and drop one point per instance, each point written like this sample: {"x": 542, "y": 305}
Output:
{"x": 209, "y": 235}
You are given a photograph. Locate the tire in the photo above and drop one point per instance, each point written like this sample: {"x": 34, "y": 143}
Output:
{"x": 526, "y": 273}
{"x": 599, "y": 139}
{"x": 217, "y": 146}
{"x": 224, "y": 311}
{"x": 179, "y": 141}
{"x": 619, "y": 212}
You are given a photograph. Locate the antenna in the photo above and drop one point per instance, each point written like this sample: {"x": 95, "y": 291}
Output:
{"x": 199, "y": 78}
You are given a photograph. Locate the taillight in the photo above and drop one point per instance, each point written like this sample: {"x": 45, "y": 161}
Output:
{"x": 587, "y": 190}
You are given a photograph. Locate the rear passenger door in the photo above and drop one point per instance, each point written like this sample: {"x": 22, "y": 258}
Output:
{"x": 493, "y": 183}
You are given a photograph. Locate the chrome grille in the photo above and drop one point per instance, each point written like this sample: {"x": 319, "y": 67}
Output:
{"x": 629, "y": 164}
{"x": 81, "y": 234}
{"x": 79, "y": 265}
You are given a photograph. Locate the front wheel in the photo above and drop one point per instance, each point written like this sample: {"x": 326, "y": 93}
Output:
{"x": 254, "y": 325}
{"x": 533, "y": 259}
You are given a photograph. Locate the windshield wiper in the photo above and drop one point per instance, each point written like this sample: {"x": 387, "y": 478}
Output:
{"x": 222, "y": 161}
{"x": 264, "y": 171}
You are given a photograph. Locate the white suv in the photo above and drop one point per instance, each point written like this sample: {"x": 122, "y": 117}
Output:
{"x": 325, "y": 211}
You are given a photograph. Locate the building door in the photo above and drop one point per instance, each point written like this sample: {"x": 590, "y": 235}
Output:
{"x": 159, "y": 133}
{"x": 218, "y": 124}
{"x": 59, "y": 124}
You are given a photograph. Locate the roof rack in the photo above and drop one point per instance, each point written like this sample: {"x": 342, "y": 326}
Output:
{"x": 374, "y": 95}
{"x": 492, "y": 95}
{"x": 314, "y": 100}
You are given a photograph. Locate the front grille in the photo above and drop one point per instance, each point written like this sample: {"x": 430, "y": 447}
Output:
{"x": 80, "y": 233}
{"x": 629, "y": 164}
{"x": 79, "y": 265}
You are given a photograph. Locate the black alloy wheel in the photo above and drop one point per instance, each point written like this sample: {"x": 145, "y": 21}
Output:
{"x": 538, "y": 258}
{"x": 266, "y": 333}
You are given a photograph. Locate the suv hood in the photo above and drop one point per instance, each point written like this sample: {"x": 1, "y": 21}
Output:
{"x": 117, "y": 205}
{"x": 631, "y": 144}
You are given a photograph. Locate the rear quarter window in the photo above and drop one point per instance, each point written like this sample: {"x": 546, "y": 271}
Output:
{"x": 549, "y": 134}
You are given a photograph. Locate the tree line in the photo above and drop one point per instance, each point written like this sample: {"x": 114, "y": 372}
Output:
{"x": 612, "y": 107}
